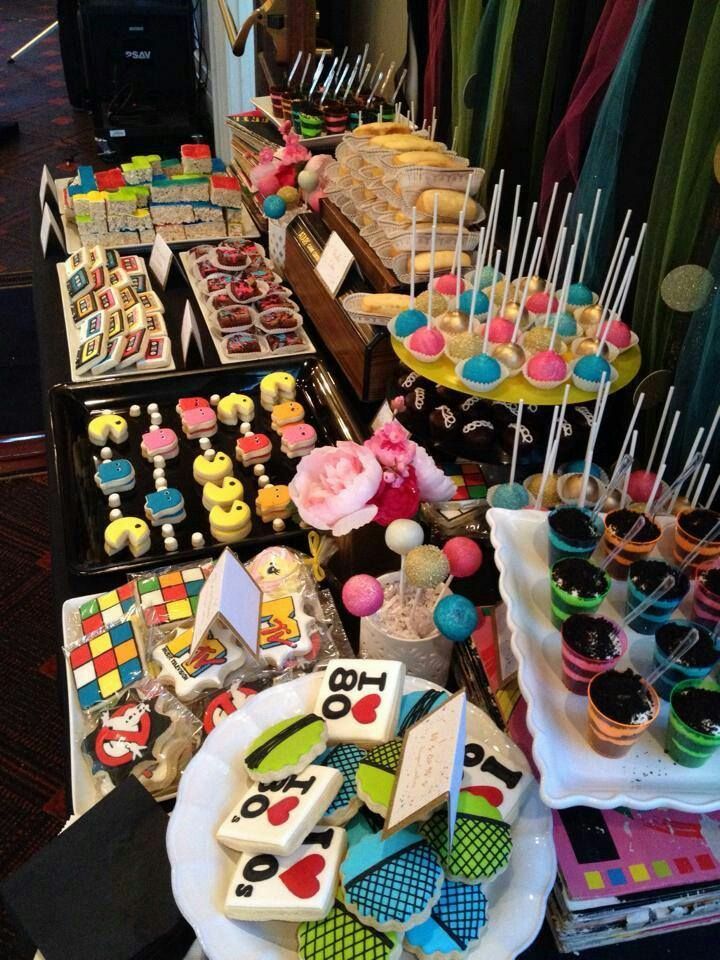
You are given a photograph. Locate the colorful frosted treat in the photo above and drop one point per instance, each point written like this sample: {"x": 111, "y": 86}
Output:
{"x": 621, "y": 707}
{"x": 576, "y": 586}
{"x": 706, "y": 601}
{"x": 590, "y": 645}
{"x": 572, "y": 532}
{"x": 693, "y": 731}
{"x": 693, "y": 665}
{"x": 691, "y": 526}
{"x": 617, "y": 526}
{"x": 311, "y": 123}
{"x": 645, "y": 577}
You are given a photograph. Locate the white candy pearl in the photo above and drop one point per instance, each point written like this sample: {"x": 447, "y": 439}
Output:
{"x": 264, "y": 480}
{"x": 401, "y": 536}
{"x": 154, "y": 427}
{"x": 114, "y": 500}
{"x": 115, "y": 514}
{"x": 198, "y": 540}
{"x": 259, "y": 469}
{"x": 152, "y": 408}
{"x": 158, "y": 472}
{"x": 155, "y": 418}
{"x": 135, "y": 410}
{"x": 278, "y": 524}
{"x": 167, "y": 530}
{"x": 249, "y": 433}
{"x": 245, "y": 427}
{"x": 209, "y": 454}
{"x": 214, "y": 399}
{"x": 159, "y": 461}
{"x": 205, "y": 443}
{"x": 161, "y": 483}
{"x": 106, "y": 453}
{"x": 171, "y": 544}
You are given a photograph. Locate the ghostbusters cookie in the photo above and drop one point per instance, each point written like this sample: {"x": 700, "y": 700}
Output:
{"x": 299, "y": 886}
{"x": 287, "y": 633}
{"x": 286, "y": 747}
{"x": 223, "y": 704}
{"x": 414, "y": 706}
{"x": 391, "y": 883}
{"x": 107, "y": 426}
{"x": 343, "y": 936}
{"x": 456, "y": 923}
{"x": 191, "y": 673}
{"x": 360, "y": 700}
{"x": 376, "y": 775}
{"x": 481, "y": 845}
{"x": 276, "y": 817}
{"x": 343, "y": 757}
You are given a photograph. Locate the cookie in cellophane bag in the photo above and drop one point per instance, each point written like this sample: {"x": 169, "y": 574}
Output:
{"x": 144, "y": 733}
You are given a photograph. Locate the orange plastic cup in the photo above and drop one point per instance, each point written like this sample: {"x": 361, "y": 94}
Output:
{"x": 686, "y": 542}
{"x": 609, "y": 737}
{"x": 632, "y": 551}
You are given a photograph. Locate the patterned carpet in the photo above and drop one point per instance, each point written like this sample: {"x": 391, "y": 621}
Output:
{"x": 32, "y": 91}
{"x": 32, "y": 746}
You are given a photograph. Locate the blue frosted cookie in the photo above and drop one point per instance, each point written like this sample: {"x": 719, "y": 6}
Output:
{"x": 344, "y": 757}
{"x": 414, "y": 706}
{"x": 455, "y": 924}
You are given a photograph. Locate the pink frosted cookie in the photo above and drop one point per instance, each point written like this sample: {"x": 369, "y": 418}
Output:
{"x": 199, "y": 422}
{"x": 298, "y": 440}
{"x": 162, "y": 442}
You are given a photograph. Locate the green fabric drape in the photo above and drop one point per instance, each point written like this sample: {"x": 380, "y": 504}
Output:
{"x": 502, "y": 60}
{"x": 465, "y": 18}
{"x": 477, "y": 94}
{"x": 683, "y": 180}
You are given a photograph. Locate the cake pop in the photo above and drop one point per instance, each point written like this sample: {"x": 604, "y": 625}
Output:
{"x": 455, "y": 617}
{"x": 547, "y": 369}
{"x": 588, "y": 372}
{"x": 482, "y": 303}
{"x": 464, "y": 556}
{"x": 588, "y": 346}
{"x": 462, "y": 346}
{"x": 618, "y": 333}
{"x": 567, "y": 325}
{"x": 362, "y": 595}
{"x": 426, "y": 566}
{"x": 408, "y": 321}
{"x": 426, "y": 344}
{"x": 481, "y": 373}
{"x": 434, "y": 304}
{"x": 402, "y": 536}
{"x": 580, "y": 295}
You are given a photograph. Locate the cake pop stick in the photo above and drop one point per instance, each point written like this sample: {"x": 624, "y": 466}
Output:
{"x": 670, "y": 495}
{"x": 706, "y": 445}
{"x": 616, "y": 252}
{"x": 342, "y": 58}
{"x": 690, "y": 457}
{"x": 493, "y": 229}
{"x": 563, "y": 294}
{"x": 558, "y": 248}
{"x": 516, "y": 441}
{"x": 633, "y": 445}
{"x": 433, "y": 126}
{"x": 608, "y": 299}
{"x": 633, "y": 418}
{"x": 656, "y": 486}
{"x": 458, "y": 255}
{"x": 701, "y": 484}
{"x": 432, "y": 258}
{"x": 363, "y": 77}
{"x": 491, "y": 213}
{"x": 526, "y": 245}
{"x": 633, "y": 531}
{"x": 558, "y": 432}
{"x": 305, "y": 70}
{"x": 660, "y": 590}
{"x": 351, "y": 80}
{"x": 388, "y": 74}
{"x": 698, "y": 547}
{"x": 713, "y": 494}
{"x": 514, "y": 233}
{"x": 298, "y": 58}
{"x": 546, "y": 462}
{"x": 534, "y": 261}
{"x": 597, "y": 417}
{"x": 413, "y": 241}
{"x": 412, "y": 114}
{"x": 399, "y": 84}
{"x": 658, "y": 434}
{"x": 616, "y": 307}
{"x": 553, "y": 275}
{"x": 670, "y": 437}
{"x": 688, "y": 643}
{"x": 548, "y": 220}
{"x": 492, "y": 300}
{"x": 476, "y": 280}
{"x": 588, "y": 240}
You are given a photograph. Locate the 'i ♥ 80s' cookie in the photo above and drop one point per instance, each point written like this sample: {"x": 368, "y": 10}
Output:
{"x": 343, "y": 935}
{"x": 360, "y": 699}
{"x": 455, "y": 924}
{"x": 286, "y": 747}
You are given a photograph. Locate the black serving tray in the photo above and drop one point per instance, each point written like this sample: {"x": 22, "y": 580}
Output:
{"x": 84, "y": 509}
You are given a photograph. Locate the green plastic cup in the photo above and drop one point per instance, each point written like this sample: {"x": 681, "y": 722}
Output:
{"x": 564, "y": 601}
{"x": 687, "y": 746}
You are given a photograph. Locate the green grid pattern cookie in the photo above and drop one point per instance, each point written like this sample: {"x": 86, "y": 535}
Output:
{"x": 482, "y": 842}
{"x": 286, "y": 747}
{"x": 375, "y": 776}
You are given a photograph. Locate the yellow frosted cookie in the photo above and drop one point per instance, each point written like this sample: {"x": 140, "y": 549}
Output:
{"x": 223, "y": 494}
{"x": 212, "y": 471}
{"x": 229, "y": 526}
{"x": 107, "y": 425}
{"x": 234, "y": 407}
{"x": 127, "y": 532}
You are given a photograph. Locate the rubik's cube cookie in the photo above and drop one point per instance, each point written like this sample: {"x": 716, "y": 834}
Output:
{"x": 345, "y": 758}
{"x": 107, "y": 609}
{"x": 340, "y": 934}
{"x": 170, "y": 597}
{"x": 103, "y": 664}
{"x": 376, "y": 775}
{"x": 286, "y": 747}
{"x": 456, "y": 923}
{"x": 469, "y": 480}
{"x": 192, "y": 672}
{"x": 273, "y": 502}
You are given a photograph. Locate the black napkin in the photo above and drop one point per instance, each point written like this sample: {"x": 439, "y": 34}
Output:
{"x": 101, "y": 890}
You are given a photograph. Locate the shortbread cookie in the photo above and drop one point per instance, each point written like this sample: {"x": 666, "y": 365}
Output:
{"x": 343, "y": 936}
{"x": 456, "y": 923}
{"x": 481, "y": 844}
{"x": 345, "y": 758}
{"x": 376, "y": 775}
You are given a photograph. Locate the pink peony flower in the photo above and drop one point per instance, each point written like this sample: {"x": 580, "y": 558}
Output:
{"x": 432, "y": 483}
{"x": 392, "y": 446}
{"x": 266, "y": 155}
{"x": 333, "y": 486}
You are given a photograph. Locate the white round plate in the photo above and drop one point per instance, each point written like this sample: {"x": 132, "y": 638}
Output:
{"x": 202, "y": 868}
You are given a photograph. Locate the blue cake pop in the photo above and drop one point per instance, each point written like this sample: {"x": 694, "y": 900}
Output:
{"x": 567, "y": 325}
{"x": 577, "y": 466}
{"x": 592, "y": 368}
{"x": 482, "y": 304}
{"x": 486, "y": 276}
{"x": 455, "y": 617}
{"x": 408, "y": 321}
{"x": 579, "y": 295}
{"x": 481, "y": 369}
{"x": 510, "y": 496}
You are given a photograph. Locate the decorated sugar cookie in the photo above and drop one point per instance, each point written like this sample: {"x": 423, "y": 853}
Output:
{"x": 364, "y": 824}
{"x": 106, "y": 609}
{"x": 235, "y": 407}
{"x": 223, "y": 494}
{"x": 287, "y": 633}
{"x": 360, "y": 700}
{"x": 276, "y": 387}
{"x": 456, "y": 923}
{"x": 107, "y": 426}
{"x": 105, "y": 663}
{"x": 165, "y": 506}
{"x": 172, "y": 596}
{"x": 190, "y": 403}
{"x": 273, "y": 502}
{"x": 481, "y": 845}
{"x": 199, "y": 422}
{"x": 191, "y": 673}
{"x": 500, "y": 781}
{"x": 345, "y": 758}
{"x": 129, "y": 532}
{"x": 275, "y": 817}
{"x": 299, "y": 886}
{"x": 127, "y": 737}
{"x": 391, "y": 883}
{"x": 231, "y": 525}
{"x": 115, "y": 476}
{"x": 286, "y": 747}
{"x": 276, "y": 570}
{"x": 159, "y": 443}
{"x": 230, "y": 700}
{"x": 286, "y": 413}
{"x": 376, "y": 775}
{"x": 414, "y": 706}
{"x": 254, "y": 449}
{"x": 343, "y": 936}
{"x": 212, "y": 471}
{"x": 162, "y": 776}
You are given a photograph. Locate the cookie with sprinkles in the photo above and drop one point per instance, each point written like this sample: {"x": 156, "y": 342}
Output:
{"x": 416, "y": 705}
{"x": 482, "y": 842}
{"x": 286, "y": 747}
{"x": 344, "y": 757}
{"x": 342, "y": 936}
{"x": 375, "y": 776}
{"x": 456, "y": 923}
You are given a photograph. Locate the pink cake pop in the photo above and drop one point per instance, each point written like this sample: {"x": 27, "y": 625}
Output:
{"x": 464, "y": 556}
{"x": 426, "y": 344}
{"x": 547, "y": 366}
{"x": 619, "y": 334}
{"x": 501, "y": 330}
{"x": 363, "y": 595}
{"x": 537, "y": 303}
{"x": 446, "y": 285}
{"x": 640, "y": 485}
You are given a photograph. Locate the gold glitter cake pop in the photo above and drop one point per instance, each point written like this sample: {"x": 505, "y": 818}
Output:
{"x": 463, "y": 346}
{"x": 439, "y": 303}
{"x": 426, "y": 566}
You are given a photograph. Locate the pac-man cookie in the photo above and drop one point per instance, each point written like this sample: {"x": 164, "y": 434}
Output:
{"x": 254, "y": 449}
{"x": 234, "y": 407}
{"x": 229, "y": 526}
{"x": 162, "y": 442}
{"x": 206, "y": 470}
{"x": 115, "y": 476}
{"x": 276, "y": 387}
{"x": 165, "y": 506}
{"x": 222, "y": 495}
{"x": 127, "y": 532}
{"x": 107, "y": 426}
{"x": 298, "y": 440}
{"x": 285, "y": 413}
{"x": 273, "y": 501}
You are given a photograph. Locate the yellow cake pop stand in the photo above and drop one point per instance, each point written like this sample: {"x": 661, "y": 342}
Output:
{"x": 513, "y": 389}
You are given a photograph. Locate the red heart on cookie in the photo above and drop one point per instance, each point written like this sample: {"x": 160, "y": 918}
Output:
{"x": 365, "y": 710}
{"x": 491, "y": 794}
{"x": 301, "y": 878}
{"x": 280, "y": 811}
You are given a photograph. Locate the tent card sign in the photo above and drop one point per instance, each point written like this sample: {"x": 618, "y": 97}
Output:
{"x": 47, "y": 224}
{"x": 430, "y": 767}
{"x": 47, "y": 183}
{"x": 161, "y": 259}
{"x": 229, "y": 606}
{"x": 334, "y": 263}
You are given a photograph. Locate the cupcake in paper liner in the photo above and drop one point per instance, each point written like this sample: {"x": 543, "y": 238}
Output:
{"x": 587, "y": 372}
{"x": 481, "y": 373}
{"x": 462, "y": 346}
{"x": 545, "y": 370}
{"x": 426, "y": 344}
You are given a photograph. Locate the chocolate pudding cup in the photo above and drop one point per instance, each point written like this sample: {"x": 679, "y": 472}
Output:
{"x": 572, "y": 532}
{"x": 691, "y": 526}
{"x": 644, "y": 577}
{"x": 576, "y": 586}
{"x": 617, "y": 526}
{"x": 621, "y": 707}
{"x": 693, "y": 730}
{"x": 706, "y": 600}
{"x": 590, "y": 645}
{"x": 693, "y": 665}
